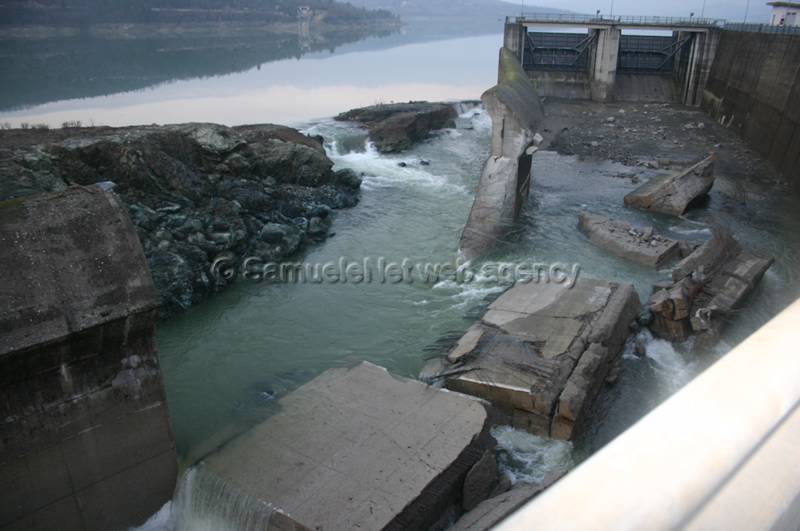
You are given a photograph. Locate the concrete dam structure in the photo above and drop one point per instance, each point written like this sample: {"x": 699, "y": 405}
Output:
{"x": 86, "y": 436}
{"x": 606, "y": 65}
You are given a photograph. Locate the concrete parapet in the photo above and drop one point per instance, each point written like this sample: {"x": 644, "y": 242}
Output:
{"x": 354, "y": 448}
{"x": 542, "y": 351}
{"x": 86, "y": 438}
{"x": 516, "y": 114}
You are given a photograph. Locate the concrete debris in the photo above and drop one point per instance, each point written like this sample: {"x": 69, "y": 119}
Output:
{"x": 629, "y": 242}
{"x": 362, "y": 448}
{"x": 707, "y": 287}
{"x": 673, "y": 194}
{"x": 542, "y": 352}
{"x": 492, "y": 511}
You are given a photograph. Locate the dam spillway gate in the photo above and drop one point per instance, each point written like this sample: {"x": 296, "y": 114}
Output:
{"x": 605, "y": 65}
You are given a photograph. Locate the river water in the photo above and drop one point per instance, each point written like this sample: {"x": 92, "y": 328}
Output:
{"x": 227, "y": 361}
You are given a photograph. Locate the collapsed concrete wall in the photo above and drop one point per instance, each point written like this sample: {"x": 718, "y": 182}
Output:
{"x": 754, "y": 89}
{"x": 86, "y": 437}
{"x": 516, "y": 114}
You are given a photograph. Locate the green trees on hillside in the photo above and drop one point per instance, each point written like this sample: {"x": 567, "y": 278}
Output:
{"x": 81, "y": 12}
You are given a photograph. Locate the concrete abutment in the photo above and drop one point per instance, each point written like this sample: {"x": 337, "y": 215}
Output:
{"x": 86, "y": 437}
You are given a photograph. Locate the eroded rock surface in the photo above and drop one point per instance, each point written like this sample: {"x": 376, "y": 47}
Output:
{"x": 203, "y": 197}
{"x": 397, "y": 126}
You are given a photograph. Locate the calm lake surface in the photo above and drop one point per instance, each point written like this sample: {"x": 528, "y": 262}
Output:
{"x": 227, "y": 362}
{"x": 296, "y": 91}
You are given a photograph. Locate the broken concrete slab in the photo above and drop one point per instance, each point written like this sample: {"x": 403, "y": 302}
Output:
{"x": 629, "y": 242}
{"x": 672, "y": 194}
{"x": 359, "y": 448}
{"x": 709, "y": 285}
{"x": 542, "y": 351}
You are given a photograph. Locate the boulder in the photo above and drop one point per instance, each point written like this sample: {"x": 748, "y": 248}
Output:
{"x": 542, "y": 352}
{"x": 673, "y": 194}
{"x": 398, "y": 126}
{"x": 629, "y": 242}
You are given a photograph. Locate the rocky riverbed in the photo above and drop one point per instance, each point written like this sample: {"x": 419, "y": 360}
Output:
{"x": 654, "y": 135}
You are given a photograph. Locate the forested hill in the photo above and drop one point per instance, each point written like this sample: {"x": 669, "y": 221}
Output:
{"x": 87, "y": 12}
{"x": 455, "y": 8}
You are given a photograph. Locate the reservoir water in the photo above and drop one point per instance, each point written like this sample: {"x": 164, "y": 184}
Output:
{"x": 226, "y": 362}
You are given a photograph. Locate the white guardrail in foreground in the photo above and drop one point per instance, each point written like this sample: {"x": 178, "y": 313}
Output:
{"x": 722, "y": 453}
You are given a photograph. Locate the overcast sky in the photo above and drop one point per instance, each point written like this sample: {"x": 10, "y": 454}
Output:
{"x": 733, "y": 10}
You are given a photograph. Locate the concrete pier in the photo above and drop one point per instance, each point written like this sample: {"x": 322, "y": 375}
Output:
{"x": 360, "y": 448}
{"x": 516, "y": 114}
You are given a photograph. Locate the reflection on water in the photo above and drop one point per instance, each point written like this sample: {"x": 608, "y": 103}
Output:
{"x": 253, "y": 78}
{"x": 39, "y": 71}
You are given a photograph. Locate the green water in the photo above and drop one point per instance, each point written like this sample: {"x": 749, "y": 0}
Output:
{"x": 226, "y": 361}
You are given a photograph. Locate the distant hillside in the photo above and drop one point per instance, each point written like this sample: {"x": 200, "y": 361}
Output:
{"x": 451, "y": 8}
{"x": 88, "y": 12}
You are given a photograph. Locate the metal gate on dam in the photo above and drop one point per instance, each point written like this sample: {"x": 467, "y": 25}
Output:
{"x": 605, "y": 65}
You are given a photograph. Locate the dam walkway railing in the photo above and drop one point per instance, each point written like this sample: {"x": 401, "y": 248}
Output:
{"x": 575, "y": 19}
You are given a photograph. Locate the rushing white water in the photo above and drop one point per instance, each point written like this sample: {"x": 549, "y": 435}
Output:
{"x": 526, "y": 457}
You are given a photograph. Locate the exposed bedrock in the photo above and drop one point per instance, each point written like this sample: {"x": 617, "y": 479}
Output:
{"x": 516, "y": 114}
{"x": 395, "y": 127}
{"x": 203, "y": 197}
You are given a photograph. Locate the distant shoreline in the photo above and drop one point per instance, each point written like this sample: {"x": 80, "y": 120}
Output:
{"x": 149, "y": 30}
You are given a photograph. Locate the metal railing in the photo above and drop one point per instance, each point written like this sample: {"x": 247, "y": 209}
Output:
{"x": 762, "y": 28}
{"x": 606, "y": 19}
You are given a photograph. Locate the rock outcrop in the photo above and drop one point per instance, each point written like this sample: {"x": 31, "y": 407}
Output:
{"x": 707, "y": 287}
{"x": 542, "y": 352}
{"x": 673, "y": 194}
{"x": 202, "y": 197}
{"x": 398, "y": 126}
{"x": 629, "y": 242}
